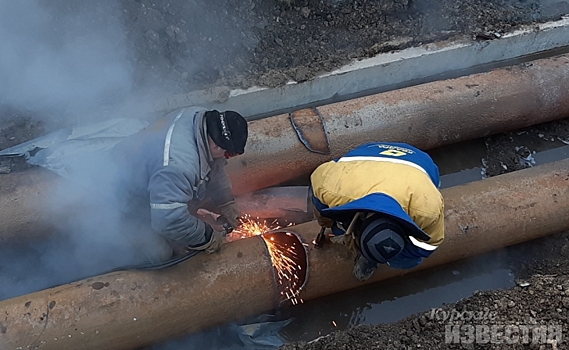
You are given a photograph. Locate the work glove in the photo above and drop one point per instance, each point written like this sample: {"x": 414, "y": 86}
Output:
{"x": 347, "y": 240}
{"x": 322, "y": 220}
{"x": 213, "y": 244}
{"x": 230, "y": 211}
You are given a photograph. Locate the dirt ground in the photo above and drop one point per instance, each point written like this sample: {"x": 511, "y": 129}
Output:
{"x": 276, "y": 41}
{"x": 176, "y": 46}
{"x": 542, "y": 300}
{"x": 506, "y": 152}
{"x": 181, "y": 45}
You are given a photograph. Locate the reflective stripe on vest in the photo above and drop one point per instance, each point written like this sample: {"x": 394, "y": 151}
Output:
{"x": 422, "y": 245}
{"x": 168, "y": 205}
{"x": 169, "y": 139}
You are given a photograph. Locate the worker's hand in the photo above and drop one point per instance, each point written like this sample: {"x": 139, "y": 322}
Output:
{"x": 214, "y": 244}
{"x": 218, "y": 222}
{"x": 347, "y": 240}
{"x": 322, "y": 220}
{"x": 351, "y": 237}
{"x": 230, "y": 211}
{"x": 219, "y": 228}
{"x": 204, "y": 213}
{"x": 214, "y": 219}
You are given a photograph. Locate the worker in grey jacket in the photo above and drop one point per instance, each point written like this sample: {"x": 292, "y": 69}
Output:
{"x": 179, "y": 161}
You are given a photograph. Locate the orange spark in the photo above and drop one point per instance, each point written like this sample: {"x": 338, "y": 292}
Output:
{"x": 282, "y": 255}
{"x": 250, "y": 227}
{"x": 283, "y": 259}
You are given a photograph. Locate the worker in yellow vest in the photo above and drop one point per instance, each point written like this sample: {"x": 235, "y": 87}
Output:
{"x": 382, "y": 201}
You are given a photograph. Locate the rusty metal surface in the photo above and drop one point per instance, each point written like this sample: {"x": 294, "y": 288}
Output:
{"x": 126, "y": 310}
{"x": 307, "y": 123}
{"x": 22, "y": 196}
{"x": 287, "y": 202}
{"x": 427, "y": 116}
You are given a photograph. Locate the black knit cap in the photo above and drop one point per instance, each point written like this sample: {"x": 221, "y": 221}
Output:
{"x": 228, "y": 130}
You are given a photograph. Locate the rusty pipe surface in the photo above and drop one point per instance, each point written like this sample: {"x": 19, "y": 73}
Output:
{"x": 126, "y": 310}
{"x": 131, "y": 309}
{"x": 288, "y": 202}
{"x": 21, "y": 198}
{"x": 284, "y": 147}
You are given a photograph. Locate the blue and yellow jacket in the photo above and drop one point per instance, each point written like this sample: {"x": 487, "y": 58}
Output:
{"x": 395, "y": 179}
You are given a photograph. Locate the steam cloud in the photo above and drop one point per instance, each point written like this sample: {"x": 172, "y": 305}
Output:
{"x": 62, "y": 60}
{"x": 66, "y": 62}
{"x": 68, "y": 57}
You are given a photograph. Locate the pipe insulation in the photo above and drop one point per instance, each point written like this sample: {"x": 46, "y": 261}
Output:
{"x": 127, "y": 310}
{"x": 285, "y": 147}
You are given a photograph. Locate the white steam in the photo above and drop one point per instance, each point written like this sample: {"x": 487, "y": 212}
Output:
{"x": 67, "y": 62}
{"x": 62, "y": 57}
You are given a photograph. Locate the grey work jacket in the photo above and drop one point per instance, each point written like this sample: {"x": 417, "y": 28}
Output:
{"x": 168, "y": 165}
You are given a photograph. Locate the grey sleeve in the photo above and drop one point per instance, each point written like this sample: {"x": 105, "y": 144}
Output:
{"x": 170, "y": 191}
{"x": 219, "y": 186}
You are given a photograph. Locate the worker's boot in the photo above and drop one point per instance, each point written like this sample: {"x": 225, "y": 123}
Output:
{"x": 364, "y": 268}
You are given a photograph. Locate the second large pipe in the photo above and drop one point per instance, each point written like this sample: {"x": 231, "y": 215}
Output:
{"x": 426, "y": 116}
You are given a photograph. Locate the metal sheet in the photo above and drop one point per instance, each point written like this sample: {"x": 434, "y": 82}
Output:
{"x": 310, "y": 130}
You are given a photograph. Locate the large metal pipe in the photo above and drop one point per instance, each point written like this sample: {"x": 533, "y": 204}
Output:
{"x": 31, "y": 211}
{"x": 127, "y": 310}
{"x": 282, "y": 147}
{"x": 289, "y": 203}
{"x": 22, "y": 196}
